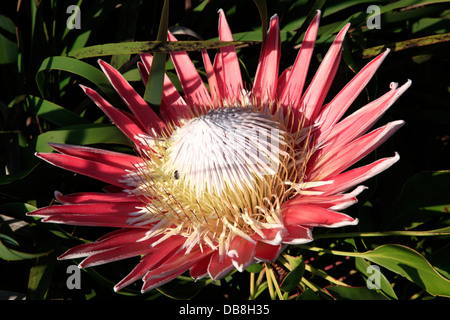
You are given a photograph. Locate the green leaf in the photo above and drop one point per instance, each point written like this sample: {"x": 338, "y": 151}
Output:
{"x": 354, "y": 293}
{"x": 39, "y": 279}
{"x": 16, "y": 209}
{"x": 52, "y": 112}
{"x": 8, "y": 42}
{"x": 294, "y": 277}
{"x": 360, "y": 18}
{"x": 407, "y": 44}
{"x": 254, "y": 268}
{"x": 155, "y": 84}
{"x": 8, "y": 239}
{"x": 137, "y": 47}
{"x": 362, "y": 265}
{"x": 440, "y": 261}
{"x": 80, "y": 135}
{"x": 14, "y": 255}
{"x": 411, "y": 265}
{"x": 76, "y": 67}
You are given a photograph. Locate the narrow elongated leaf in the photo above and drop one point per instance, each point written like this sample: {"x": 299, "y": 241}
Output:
{"x": 407, "y": 44}
{"x": 293, "y": 278}
{"x": 40, "y": 277}
{"x": 8, "y": 45}
{"x": 9, "y": 254}
{"x": 80, "y": 135}
{"x": 361, "y": 17}
{"x": 80, "y": 68}
{"x": 52, "y": 112}
{"x": 137, "y": 47}
{"x": 8, "y": 239}
{"x": 155, "y": 84}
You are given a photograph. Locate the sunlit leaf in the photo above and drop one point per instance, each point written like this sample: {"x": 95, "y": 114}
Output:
{"x": 407, "y": 44}
{"x": 362, "y": 265}
{"x": 411, "y": 265}
{"x": 254, "y": 268}
{"x": 155, "y": 84}
{"x": 40, "y": 277}
{"x": 138, "y": 47}
{"x": 80, "y": 135}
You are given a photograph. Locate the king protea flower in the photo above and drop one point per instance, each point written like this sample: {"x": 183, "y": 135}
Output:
{"x": 226, "y": 177}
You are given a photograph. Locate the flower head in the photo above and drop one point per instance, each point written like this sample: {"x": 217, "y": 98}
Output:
{"x": 225, "y": 177}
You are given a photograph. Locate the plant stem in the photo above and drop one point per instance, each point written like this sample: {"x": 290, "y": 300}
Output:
{"x": 269, "y": 283}
{"x": 270, "y": 274}
{"x": 252, "y": 286}
{"x": 335, "y": 252}
{"x": 324, "y": 275}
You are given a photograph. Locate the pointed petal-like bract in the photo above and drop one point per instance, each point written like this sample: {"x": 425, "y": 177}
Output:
{"x": 313, "y": 216}
{"x": 193, "y": 86}
{"x": 314, "y": 96}
{"x": 340, "y": 159}
{"x": 337, "y": 107}
{"x": 214, "y": 87}
{"x": 101, "y": 215}
{"x": 115, "y": 239}
{"x": 104, "y": 172}
{"x": 129, "y": 127}
{"x": 116, "y": 159}
{"x": 143, "y": 112}
{"x": 266, "y": 78}
{"x": 231, "y": 71}
{"x": 292, "y": 90}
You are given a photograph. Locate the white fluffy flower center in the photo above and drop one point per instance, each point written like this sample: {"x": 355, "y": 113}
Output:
{"x": 225, "y": 148}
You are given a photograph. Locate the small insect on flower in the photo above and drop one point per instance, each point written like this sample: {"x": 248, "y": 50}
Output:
{"x": 225, "y": 177}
